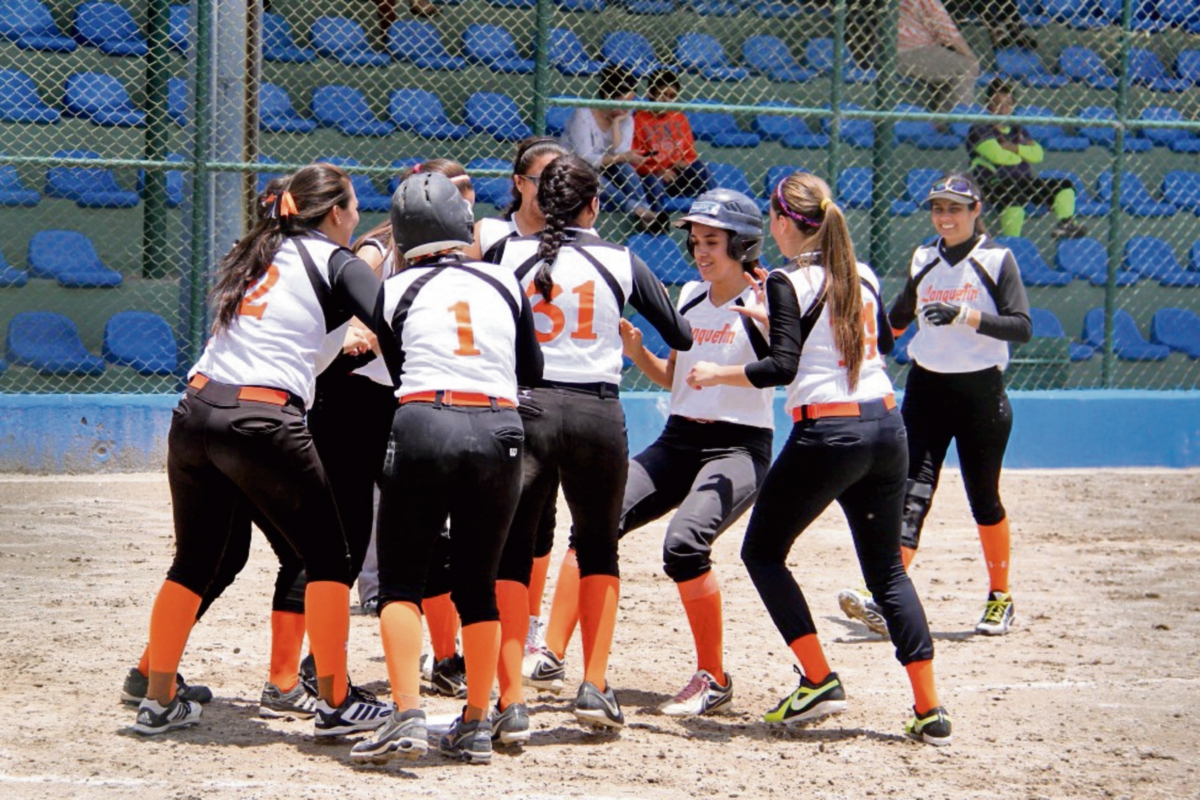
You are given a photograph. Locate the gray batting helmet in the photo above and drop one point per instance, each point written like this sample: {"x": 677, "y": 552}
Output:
{"x": 429, "y": 215}
{"x": 730, "y": 211}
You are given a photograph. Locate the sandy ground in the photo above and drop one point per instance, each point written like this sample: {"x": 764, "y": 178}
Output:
{"x": 1095, "y": 695}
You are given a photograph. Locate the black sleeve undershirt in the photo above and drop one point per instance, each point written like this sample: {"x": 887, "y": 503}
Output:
{"x": 529, "y": 352}
{"x": 780, "y": 367}
{"x": 1012, "y": 323}
{"x": 652, "y": 302}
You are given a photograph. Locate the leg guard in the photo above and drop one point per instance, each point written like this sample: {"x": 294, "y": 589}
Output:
{"x": 917, "y": 499}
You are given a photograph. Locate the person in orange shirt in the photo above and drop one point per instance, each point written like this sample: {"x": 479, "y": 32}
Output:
{"x": 671, "y": 167}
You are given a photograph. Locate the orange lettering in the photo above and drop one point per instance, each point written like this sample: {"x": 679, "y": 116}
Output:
{"x": 547, "y": 308}
{"x": 587, "y": 310}
{"x": 466, "y": 336}
{"x": 249, "y": 308}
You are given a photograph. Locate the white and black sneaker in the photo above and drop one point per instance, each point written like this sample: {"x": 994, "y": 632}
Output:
{"x": 403, "y": 734}
{"x": 702, "y": 695}
{"x": 594, "y": 707}
{"x": 448, "y": 677}
{"x": 296, "y": 703}
{"x": 308, "y": 676}
{"x": 510, "y": 726}
{"x": 536, "y": 637}
{"x": 544, "y": 670}
{"x": 153, "y": 719}
{"x": 133, "y": 690}
{"x": 469, "y": 741}
{"x": 860, "y": 605}
{"x": 360, "y": 711}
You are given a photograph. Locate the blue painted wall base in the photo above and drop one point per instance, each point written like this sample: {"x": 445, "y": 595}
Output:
{"x": 128, "y": 433}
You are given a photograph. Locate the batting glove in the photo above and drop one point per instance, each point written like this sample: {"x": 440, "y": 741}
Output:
{"x": 945, "y": 314}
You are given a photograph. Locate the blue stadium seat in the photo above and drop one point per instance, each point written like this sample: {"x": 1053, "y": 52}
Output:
{"x": 110, "y": 28}
{"x": 1107, "y": 137}
{"x": 13, "y": 193}
{"x": 728, "y": 176}
{"x": 818, "y": 53}
{"x": 654, "y": 8}
{"x": 49, "y": 343}
{"x": 1183, "y": 189}
{"x": 1178, "y": 140}
{"x": 768, "y": 9}
{"x": 1145, "y": 69}
{"x": 174, "y": 182}
{"x": 1085, "y": 65}
{"x": 652, "y": 340}
{"x": 278, "y": 44}
{"x": 963, "y": 128}
{"x": 177, "y": 101}
{"x": 714, "y": 8}
{"x": 421, "y": 112}
{"x": 10, "y": 276}
{"x": 89, "y": 187}
{"x": 1083, "y": 15}
{"x": 704, "y": 55}
{"x": 1194, "y": 258}
{"x": 557, "y": 116}
{"x": 719, "y": 128}
{"x": 276, "y": 115}
{"x": 493, "y": 191}
{"x": 102, "y": 99}
{"x": 346, "y": 109}
{"x": 1135, "y": 199}
{"x": 29, "y": 24}
{"x": 69, "y": 258}
{"x": 513, "y": 3}
{"x": 495, "y": 48}
{"x": 923, "y": 135}
{"x": 858, "y": 133}
{"x": 916, "y": 189}
{"x": 1178, "y": 329}
{"x": 498, "y": 115}
{"x": 1034, "y": 269}
{"x": 1146, "y": 18}
{"x": 20, "y": 101}
{"x": 179, "y": 28}
{"x": 1051, "y": 137}
{"x": 776, "y": 174}
{"x": 769, "y": 56}
{"x": 1047, "y": 326}
{"x": 581, "y": 5}
{"x": 568, "y": 56}
{"x": 1153, "y": 258}
{"x": 369, "y": 197}
{"x": 1085, "y": 204}
{"x": 899, "y": 352}
{"x": 420, "y": 44}
{"x": 855, "y": 186}
{"x": 791, "y": 132}
{"x": 1187, "y": 64}
{"x": 346, "y": 41}
{"x": 264, "y": 178}
{"x": 401, "y": 165}
{"x": 1087, "y": 259}
{"x": 632, "y": 51}
{"x": 1032, "y": 13}
{"x": 1128, "y": 343}
{"x": 662, "y": 254}
{"x": 141, "y": 340}
{"x": 1183, "y": 14}
{"x": 1019, "y": 64}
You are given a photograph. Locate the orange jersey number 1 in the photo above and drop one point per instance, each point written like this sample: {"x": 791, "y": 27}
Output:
{"x": 466, "y": 336}
{"x": 250, "y": 307}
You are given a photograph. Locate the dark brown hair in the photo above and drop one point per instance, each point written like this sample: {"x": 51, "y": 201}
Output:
{"x": 528, "y": 151}
{"x": 568, "y": 186}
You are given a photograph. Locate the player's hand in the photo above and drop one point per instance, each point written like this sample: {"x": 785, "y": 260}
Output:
{"x": 757, "y": 311}
{"x": 358, "y": 341}
{"x": 633, "y": 157}
{"x": 944, "y": 314}
{"x": 702, "y": 374}
{"x": 631, "y": 339}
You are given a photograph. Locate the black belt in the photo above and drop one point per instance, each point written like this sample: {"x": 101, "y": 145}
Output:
{"x": 601, "y": 389}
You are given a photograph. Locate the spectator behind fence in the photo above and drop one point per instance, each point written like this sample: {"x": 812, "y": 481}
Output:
{"x": 603, "y": 137}
{"x": 671, "y": 166}
{"x": 1003, "y": 20}
{"x": 1002, "y": 158}
{"x": 931, "y": 49}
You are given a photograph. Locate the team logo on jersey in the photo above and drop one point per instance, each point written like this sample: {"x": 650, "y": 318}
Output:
{"x": 709, "y": 336}
{"x": 957, "y": 295}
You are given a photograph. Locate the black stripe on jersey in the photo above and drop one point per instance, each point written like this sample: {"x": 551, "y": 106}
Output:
{"x": 992, "y": 289}
{"x": 320, "y": 287}
{"x": 498, "y": 286}
{"x": 814, "y": 313}
{"x": 401, "y": 315}
{"x": 613, "y": 286}
{"x": 695, "y": 301}
{"x": 757, "y": 340}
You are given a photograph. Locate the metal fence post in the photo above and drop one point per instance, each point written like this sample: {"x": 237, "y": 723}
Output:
{"x": 1114, "y": 216}
{"x": 154, "y": 216}
{"x": 837, "y": 83}
{"x": 201, "y": 146}
{"x": 541, "y": 74}
{"x": 881, "y": 157}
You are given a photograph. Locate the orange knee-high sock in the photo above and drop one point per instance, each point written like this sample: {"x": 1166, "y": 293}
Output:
{"x": 537, "y": 584}
{"x": 812, "y": 657}
{"x": 513, "y": 599}
{"x": 400, "y": 629}
{"x": 920, "y": 674}
{"x": 906, "y": 556}
{"x": 287, "y": 640}
{"x": 481, "y": 649}
{"x": 144, "y": 662}
{"x": 702, "y": 602}
{"x": 996, "y": 547}
{"x": 564, "y": 609}
{"x": 327, "y": 610}
{"x": 598, "y": 595}
{"x": 441, "y": 617}
{"x": 171, "y": 622}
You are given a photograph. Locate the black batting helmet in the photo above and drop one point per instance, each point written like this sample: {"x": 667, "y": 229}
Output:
{"x": 730, "y": 211}
{"x": 429, "y": 215}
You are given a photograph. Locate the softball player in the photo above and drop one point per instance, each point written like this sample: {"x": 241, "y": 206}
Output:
{"x": 238, "y": 435}
{"x": 828, "y": 332}
{"x": 464, "y": 334}
{"x": 574, "y": 425}
{"x": 965, "y": 293}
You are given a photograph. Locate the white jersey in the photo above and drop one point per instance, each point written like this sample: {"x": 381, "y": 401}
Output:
{"x": 579, "y": 329}
{"x": 821, "y": 377}
{"x": 719, "y": 336}
{"x": 455, "y": 324}
{"x": 280, "y": 330}
{"x": 492, "y": 230}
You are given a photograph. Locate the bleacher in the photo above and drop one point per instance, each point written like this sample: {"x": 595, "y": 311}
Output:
{"x": 460, "y": 85}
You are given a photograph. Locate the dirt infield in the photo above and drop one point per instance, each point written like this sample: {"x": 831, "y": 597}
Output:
{"x": 1095, "y": 695}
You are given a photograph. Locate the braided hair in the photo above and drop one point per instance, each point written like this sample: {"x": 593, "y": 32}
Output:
{"x": 528, "y": 151}
{"x": 568, "y": 186}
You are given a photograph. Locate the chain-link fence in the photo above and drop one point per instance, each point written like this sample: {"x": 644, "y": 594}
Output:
{"x": 133, "y": 136}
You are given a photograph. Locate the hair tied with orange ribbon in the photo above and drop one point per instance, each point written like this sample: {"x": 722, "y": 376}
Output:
{"x": 287, "y": 205}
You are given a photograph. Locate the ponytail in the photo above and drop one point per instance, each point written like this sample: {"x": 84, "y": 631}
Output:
{"x": 567, "y": 188}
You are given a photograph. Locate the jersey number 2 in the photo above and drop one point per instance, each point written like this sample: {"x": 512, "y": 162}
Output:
{"x": 466, "y": 335}
{"x": 250, "y": 306}
{"x": 584, "y": 328}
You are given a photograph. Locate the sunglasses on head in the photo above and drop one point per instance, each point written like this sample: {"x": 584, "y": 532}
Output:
{"x": 955, "y": 186}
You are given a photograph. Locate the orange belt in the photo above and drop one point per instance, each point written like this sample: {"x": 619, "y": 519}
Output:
{"x": 819, "y": 410}
{"x": 258, "y": 394}
{"x": 457, "y": 399}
